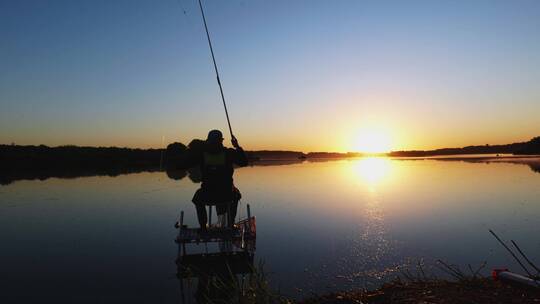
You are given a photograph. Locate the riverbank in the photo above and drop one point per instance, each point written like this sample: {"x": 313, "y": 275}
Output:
{"x": 480, "y": 291}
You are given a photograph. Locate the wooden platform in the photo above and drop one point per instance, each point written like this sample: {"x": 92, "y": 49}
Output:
{"x": 244, "y": 230}
{"x": 194, "y": 235}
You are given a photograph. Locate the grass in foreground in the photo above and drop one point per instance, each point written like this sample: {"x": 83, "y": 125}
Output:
{"x": 418, "y": 288}
{"x": 479, "y": 290}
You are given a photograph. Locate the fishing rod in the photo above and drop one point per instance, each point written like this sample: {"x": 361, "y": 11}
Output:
{"x": 216, "y": 69}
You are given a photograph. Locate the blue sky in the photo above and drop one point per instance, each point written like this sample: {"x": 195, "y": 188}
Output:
{"x": 303, "y": 75}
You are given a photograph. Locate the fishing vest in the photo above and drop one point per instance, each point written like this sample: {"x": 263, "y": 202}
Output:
{"x": 214, "y": 159}
{"x": 217, "y": 171}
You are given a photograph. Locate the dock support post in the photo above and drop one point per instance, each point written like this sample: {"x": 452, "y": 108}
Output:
{"x": 209, "y": 216}
{"x": 181, "y": 219}
{"x": 228, "y": 216}
{"x": 183, "y": 247}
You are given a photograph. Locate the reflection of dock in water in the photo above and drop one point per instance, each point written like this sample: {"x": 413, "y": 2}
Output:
{"x": 218, "y": 259}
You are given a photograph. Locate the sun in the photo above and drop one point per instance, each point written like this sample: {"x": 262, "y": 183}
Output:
{"x": 373, "y": 141}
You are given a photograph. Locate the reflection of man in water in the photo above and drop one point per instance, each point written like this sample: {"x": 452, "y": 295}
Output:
{"x": 217, "y": 188}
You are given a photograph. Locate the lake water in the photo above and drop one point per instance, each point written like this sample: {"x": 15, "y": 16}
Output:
{"x": 321, "y": 226}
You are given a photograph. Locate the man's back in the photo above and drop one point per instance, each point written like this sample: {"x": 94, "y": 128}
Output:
{"x": 217, "y": 167}
{"x": 216, "y": 162}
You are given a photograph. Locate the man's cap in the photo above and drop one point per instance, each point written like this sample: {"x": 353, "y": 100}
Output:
{"x": 214, "y": 136}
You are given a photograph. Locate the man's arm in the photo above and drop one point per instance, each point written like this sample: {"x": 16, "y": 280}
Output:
{"x": 240, "y": 157}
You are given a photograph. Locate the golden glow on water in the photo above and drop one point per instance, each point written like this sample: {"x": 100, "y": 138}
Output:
{"x": 372, "y": 170}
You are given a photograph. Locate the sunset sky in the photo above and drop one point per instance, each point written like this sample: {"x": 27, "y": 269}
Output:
{"x": 297, "y": 75}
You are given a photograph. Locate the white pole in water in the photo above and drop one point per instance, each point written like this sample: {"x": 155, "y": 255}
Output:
{"x": 181, "y": 227}
{"x": 209, "y": 216}
{"x": 181, "y": 219}
{"x": 514, "y": 277}
{"x": 228, "y": 216}
{"x": 161, "y": 157}
{"x": 178, "y": 223}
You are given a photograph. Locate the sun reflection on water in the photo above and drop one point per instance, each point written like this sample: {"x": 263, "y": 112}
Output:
{"x": 372, "y": 170}
{"x": 373, "y": 255}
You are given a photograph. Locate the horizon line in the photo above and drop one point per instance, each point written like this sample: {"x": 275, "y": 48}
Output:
{"x": 271, "y": 150}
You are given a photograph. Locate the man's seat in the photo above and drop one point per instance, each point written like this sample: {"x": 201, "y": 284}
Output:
{"x": 242, "y": 233}
{"x": 222, "y": 210}
{"x": 226, "y": 204}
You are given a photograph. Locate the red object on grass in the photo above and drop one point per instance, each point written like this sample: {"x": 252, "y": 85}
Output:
{"x": 495, "y": 273}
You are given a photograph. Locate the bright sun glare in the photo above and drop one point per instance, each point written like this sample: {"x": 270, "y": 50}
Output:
{"x": 372, "y": 170}
{"x": 373, "y": 141}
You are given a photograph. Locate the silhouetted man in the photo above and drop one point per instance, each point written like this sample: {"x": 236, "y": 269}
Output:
{"x": 217, "y": 188}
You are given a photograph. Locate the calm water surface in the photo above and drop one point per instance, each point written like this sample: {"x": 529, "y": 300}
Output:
{"x": 322, "y": 226}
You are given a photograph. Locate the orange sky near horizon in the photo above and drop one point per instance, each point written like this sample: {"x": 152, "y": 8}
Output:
{"x": 370, "y": 138}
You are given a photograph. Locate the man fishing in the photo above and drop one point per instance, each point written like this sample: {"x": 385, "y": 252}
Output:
{"x": 216, "y": 163}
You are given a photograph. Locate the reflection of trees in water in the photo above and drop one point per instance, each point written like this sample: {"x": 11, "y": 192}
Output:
{"x": 194, "y": 174}
{"x": 176, "y": 174}
{"x": 535, "y": 167}
{"x": 9, "y": 176}
{"x": 532, "y": 163}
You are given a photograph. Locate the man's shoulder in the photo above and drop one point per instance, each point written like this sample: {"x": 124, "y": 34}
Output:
{"x": 229, "y": 151}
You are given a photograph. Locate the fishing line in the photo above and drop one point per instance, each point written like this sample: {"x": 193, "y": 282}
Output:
{"x": 214, "y": 62}
{"x": 216, "y": 69}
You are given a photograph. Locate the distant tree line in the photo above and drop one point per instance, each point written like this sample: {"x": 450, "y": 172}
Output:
{"x": 40, "y": 162}
{"x": 44, "y": 157}
{"x": 531, "y": 147}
